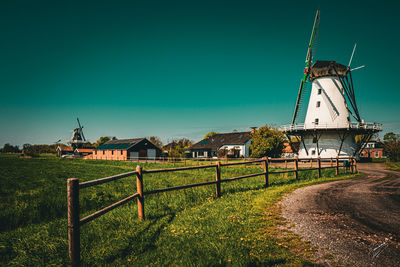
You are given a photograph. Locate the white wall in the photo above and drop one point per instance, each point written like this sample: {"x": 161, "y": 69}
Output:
{"x": 244, "y": 149}
{"x": 328, "y": 144}
{"x": 332, "y": 110}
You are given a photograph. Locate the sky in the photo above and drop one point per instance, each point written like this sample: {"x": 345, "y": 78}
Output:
{"x": 177, "y": 69}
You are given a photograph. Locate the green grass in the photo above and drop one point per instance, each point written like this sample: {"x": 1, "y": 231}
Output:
{"x": 186, "y": 227}
{"x": 395, "y": 166}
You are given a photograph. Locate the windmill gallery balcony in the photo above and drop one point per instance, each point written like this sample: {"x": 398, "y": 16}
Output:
{"x": 356, "y": 126}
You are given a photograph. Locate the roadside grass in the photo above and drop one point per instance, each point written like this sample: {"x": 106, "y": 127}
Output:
{"x": 187, "y": 227}
{"x": 394, "y": 166}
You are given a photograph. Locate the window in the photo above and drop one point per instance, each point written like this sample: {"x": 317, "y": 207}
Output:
{"x": 376, "y": 154}
{"x": 314, "y": 140}
{"x": 316, "y": 121}
{"x": 319, "y": 91}
{"x": 313, "y": 152}
{"x": 103, "y": 152}
{"x": 122, "y": 152}
{"x": 318, "y": 104}
{"x": 112, "y": 152}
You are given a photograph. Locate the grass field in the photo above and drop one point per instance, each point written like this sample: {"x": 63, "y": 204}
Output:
{"x": 187, "y": 227}
{"x": 395, "y": 166}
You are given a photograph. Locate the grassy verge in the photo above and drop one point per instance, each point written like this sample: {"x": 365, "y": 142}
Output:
{"x": 188, "y": 227}
{"x": 395, "y": 166}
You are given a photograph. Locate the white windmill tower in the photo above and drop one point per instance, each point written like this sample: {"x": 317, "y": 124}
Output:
{"x": 327, "y": 130}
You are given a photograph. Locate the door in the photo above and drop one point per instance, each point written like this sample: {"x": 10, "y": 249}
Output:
{"x": 151, "y": 153}
{"x": 133, "y": 155}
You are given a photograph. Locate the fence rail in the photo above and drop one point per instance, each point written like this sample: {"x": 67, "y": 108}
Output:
{"x": 73, "y": 187}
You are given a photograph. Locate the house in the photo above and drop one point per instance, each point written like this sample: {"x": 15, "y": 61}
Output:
{"x": 290, "y": 150}
{"x": 64, "y": 150}
{"x": 127, "y": 149}
{"x": 234, "y": 145}
{"x": 83, "y": 151}
{"x": 373, "y": 149}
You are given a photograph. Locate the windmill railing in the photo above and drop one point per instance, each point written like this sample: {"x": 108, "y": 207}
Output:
{"x": 353, "y": 125}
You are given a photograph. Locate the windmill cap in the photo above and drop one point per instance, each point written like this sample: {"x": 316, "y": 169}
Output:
{"x": 323, "y": 68}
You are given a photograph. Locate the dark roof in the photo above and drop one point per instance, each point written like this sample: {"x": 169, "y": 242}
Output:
{"x": 217, "y": 140}
{"x": 323, "y": 68}
{"x": 119, "y": 144}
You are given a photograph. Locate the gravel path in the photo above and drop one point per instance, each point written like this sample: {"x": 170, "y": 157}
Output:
{"x": 349, "y": 219}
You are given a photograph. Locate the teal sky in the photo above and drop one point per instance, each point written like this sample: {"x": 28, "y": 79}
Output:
{"x": 182, "y": 68}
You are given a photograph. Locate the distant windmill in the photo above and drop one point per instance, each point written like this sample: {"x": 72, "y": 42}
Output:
{"x": 78, "y": 138}
{"x": 327, "y": 130}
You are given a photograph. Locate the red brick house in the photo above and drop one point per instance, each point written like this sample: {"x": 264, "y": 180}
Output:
{"x": 127, "y": 149}
{"x": 83, "y": 151}
{"x": 372, "y": 150}
{"x": 64, "y": 150}
{"x": 290, "y": 150}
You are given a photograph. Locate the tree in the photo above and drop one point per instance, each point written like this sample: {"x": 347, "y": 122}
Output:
{"x": 392, "y": 146}
{"x": 209, "y": 134}
{"x": 102, "y": 140}
{"x": 7, "y": 148}
{"x": 267, "y": 141}
{"x": 156, "y": 141}
{"x": 390, "y": 136}
{"x": 26, "y": 146}
{"x": 178, "y": 147}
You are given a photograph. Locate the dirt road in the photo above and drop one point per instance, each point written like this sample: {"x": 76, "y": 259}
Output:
{"x": 349, "y": 219}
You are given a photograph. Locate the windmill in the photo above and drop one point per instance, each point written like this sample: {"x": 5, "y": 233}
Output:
{"x": 78, "y": 138}
{"x": 327, "y": 130}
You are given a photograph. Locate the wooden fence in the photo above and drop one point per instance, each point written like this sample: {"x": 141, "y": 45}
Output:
{"x": 73, "y": 187}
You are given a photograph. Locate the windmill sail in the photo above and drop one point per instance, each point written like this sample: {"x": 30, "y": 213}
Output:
{"x": 307, "y": 67}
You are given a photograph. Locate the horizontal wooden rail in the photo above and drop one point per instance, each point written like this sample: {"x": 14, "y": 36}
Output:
{"x": 106, "y": 209}
{"x": 178, "y": 187}
{"x": 288, "y": 171}
{"x": 241, "y": 163}
{"x": 106, "y": 179}
{"x": 179, "y": 169}
{"x": 242, "y": 177}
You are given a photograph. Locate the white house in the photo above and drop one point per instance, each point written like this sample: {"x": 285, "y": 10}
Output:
{"x": 235, "y": 145}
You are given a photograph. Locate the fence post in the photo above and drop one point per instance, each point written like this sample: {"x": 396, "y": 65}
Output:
{"x": 352, "y": 164}
{"x": 331, "y": 162}
{"x": 355, "y": 165}
{"x": 185, "y": 162}
{"x": 140, "y": 199}
{"x": 337, "y": 165}
{"x": 311, "y": 161}
{"x": 296, "y": 167}
{"x": 319, "y": 167}
{"x": 266, "y": 172}
{"x": 285, "y": 163}
{"x": 218, "y": 179}
{"x": 73, "y": 221}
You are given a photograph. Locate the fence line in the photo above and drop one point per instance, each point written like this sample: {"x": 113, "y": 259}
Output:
{"x": 73, "y": 187}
